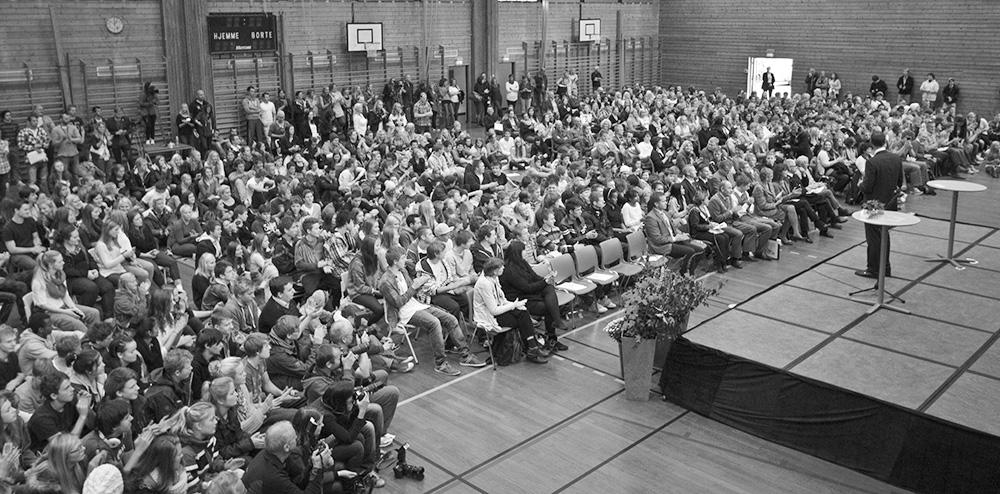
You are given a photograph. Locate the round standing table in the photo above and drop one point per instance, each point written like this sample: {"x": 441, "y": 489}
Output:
{"x": 954, "y": 186}
{"x": 886, "y": 220}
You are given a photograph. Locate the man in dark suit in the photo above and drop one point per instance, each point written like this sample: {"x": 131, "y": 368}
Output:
{"x": 767, "y": 83}
{"x": 905, "y": 86}
{"x": 883, "y": 178}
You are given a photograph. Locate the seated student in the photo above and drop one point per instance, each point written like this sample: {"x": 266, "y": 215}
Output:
{"x": 351, "y": 438}
{"x": 209, "y": 347}
{"x": 123, "y": 384}
{"x": 10, "y": 369}
{"x": 492, "y": 310}
{"x": 231, "y": 440}
{"x": 445, "y": 290}
{"x": 112, "y": 432}
{"x": 268, "y": 471}
{"x": 310, "y": 259}
{"x": 292, "y": 355}
{"x": 726, "y": 242}
{"x": 401, "y": 308}
{"x": 21, "y": 238}
{"x": 663, "y": 239}
{"x": 63, "y": 411}
{"x": 50, "y": 294}
{"x": 37, "y": 342}
{"x": 487, "y": 245}
{"x": 169, "y": 385}
{"x": 219, "y": 291}
{"x": 363, "y": 276}
{"x": 242, "y": 307}
{"x": 520, "y": 281}
{"x": 199, "y": 448}
{"x": 281, "y": 303}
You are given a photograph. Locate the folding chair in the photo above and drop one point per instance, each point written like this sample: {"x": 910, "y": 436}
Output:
{"x": 562, "y": 296}
{"x": 489, "y": 334}
{"x": 567, "y": 279}
{"x": 405, "y": 329}
{"x": 637, "y": 251}
{"x": 587, "y": 266}
{"x": 613, "y": 259}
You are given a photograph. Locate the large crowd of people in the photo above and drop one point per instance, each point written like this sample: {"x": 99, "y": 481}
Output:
{"x": 335, "y": 220}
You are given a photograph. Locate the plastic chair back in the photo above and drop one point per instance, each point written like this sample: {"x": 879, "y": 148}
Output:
{"x": 586, "y": 259}
{"x": 636, "y": 245}
{"x": 611, "y": 252}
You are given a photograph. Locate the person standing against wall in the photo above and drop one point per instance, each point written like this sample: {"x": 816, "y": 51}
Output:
{"x": 513, "y": 88}
{"x": 251, "y": 111}
{"x": 767, "y": 83}
{"x": 596, "y": 78}
{"x": 905, "y": 86}
{"x": 929, "y": 90}
{"x": 148, "y": 102}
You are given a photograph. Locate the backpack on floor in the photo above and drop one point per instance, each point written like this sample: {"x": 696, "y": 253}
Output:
{"x": 507, "y": 348}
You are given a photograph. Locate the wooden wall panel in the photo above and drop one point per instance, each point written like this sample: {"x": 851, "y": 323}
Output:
{"x": 319, "y": 25}
{"x": 522, "y": 21}
{"x": 707, "y": 42}
{"x": 26, "y": 31}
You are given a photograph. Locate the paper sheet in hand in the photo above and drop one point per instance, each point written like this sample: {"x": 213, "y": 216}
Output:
{"x": 36, "y": 157}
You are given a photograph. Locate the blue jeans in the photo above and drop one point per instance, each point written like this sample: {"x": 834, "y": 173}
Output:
{"x": 440, "y": 325}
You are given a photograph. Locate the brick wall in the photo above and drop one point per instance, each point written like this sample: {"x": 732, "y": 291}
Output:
{"x": 708, "y": 42}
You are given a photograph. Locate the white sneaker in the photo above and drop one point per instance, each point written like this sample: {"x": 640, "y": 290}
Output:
{"x": 386, "y": 440}
{"x": 601, "y": 309}
{"x": 902, "y": 198}
{"x": 608, "y": 303}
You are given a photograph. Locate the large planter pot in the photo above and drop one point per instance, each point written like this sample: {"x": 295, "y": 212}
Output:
{"x": 637, "y": 367}
{"x": 663, "y": 344}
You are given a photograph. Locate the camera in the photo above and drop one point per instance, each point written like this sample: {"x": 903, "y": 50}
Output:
{"x": 402, "y": 469}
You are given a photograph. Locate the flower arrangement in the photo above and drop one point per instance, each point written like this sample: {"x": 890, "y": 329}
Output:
{"x": 873, "y": 208}
{"x": 657, "y": 304}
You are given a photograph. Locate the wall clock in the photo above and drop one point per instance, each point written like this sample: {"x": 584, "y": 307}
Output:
{"x": 115, "y": 24}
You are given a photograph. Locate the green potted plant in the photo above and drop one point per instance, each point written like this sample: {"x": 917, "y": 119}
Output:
{"x": 655, "y": 311}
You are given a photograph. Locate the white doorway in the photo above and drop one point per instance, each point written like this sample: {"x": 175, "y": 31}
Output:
{"x": 780, "y": 67}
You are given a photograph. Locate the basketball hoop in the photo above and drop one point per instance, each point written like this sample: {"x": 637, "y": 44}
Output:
{"x": 372, "y": 50}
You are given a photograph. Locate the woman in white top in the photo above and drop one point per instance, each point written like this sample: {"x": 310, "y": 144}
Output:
{"x": 929, "y": 90}
{"x": 360, "y": 122}
{"x": 632, "y": 214}
{"x": 115, "y": 259}
{"x": 513, "y": 88}
{"x": 492, "y": 310}
{"x": 49, "y": 293}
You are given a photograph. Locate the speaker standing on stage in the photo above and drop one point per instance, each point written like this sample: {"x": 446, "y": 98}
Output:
{"x": 882, "y": 181}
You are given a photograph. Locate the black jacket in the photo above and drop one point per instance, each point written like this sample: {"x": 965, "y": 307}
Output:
{"x": 165, "y": 397}
{"x": 883, "y": 177}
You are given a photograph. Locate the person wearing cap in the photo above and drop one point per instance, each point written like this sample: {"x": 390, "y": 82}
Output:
{"x": 398, "y": 290}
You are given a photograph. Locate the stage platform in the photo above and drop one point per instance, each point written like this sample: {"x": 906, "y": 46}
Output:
{"x": 938, "y": 368}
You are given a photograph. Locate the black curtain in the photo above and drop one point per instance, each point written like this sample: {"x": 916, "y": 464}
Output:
{"x": 903, "y": 447}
